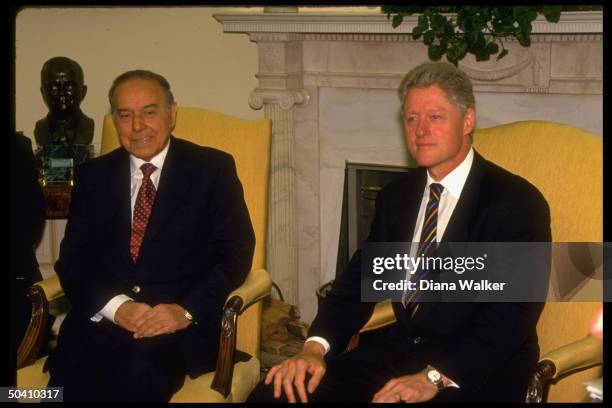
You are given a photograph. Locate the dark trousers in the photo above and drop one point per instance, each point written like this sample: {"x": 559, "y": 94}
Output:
{"x": 354, "y": 376}
{"x": 357, "y": 375}
{"x": 350, "y": 379}
{"x": 144, "y": 370}
{"x": 344, "y": 381}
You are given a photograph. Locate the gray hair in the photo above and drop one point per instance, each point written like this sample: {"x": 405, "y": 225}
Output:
{"x": 454, "y": 82}
{"x": 141, "y": 74}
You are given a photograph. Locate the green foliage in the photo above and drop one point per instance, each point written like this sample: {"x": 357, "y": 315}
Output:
{"x": 478, "y": 30}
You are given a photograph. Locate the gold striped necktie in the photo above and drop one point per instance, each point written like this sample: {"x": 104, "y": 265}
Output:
{"x": 428, "y": 242}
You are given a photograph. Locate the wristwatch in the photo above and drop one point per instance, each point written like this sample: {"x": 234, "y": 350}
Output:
{"x": 189, "y": 317}
{"x": 434, "y": 377}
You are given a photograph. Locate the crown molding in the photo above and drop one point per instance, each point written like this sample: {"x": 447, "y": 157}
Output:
{"x": 570, "y": 23}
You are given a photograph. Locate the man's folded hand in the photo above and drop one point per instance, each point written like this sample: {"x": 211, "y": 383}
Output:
{"x": 129, "y": 313}
{"x": 161, "y": 319}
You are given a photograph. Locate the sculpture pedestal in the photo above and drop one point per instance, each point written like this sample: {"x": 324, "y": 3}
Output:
{"x": 57, "y": 197}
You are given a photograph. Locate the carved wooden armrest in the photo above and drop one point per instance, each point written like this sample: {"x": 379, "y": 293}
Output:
{"x": 40, "y": 294}
{"x": 572, "y": 357}
{"x": 256, "y": 286}
{"x": 537, "y": 391}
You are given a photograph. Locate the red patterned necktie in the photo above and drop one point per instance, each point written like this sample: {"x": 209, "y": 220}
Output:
{"x": 142, "y": 209}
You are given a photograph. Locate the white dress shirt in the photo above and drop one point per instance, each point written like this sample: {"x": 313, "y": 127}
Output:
{"x": 136, "y": 176}
{"x": 453, "y": 184}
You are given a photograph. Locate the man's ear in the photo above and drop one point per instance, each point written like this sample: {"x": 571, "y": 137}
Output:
{"x": 83, "y": 92}
{"x": 469, "y": 120}
{"x": 173, "y": 109}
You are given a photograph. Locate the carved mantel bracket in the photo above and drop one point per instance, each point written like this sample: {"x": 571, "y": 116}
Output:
{"x": 286, "y": 99}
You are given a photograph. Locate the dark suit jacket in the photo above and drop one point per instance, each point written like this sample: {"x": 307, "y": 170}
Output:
{"x": 489, "y": 349}
{"x": 27, "y": 210}
{"x": 27, "y": 221}
{"x": 198, "y": 245}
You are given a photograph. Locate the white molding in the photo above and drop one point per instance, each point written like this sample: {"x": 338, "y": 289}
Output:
{"x": 403, "y": 38}
{"x": 577, "y": 22}
{"x": 569, "y": 23}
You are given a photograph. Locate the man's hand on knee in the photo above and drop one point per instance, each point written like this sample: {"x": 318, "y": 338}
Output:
{"x": 128, "y": 314}
{"x": 409, "y": 388}
{"x": 292, "y": 372}
{"x": 161, "y": 319}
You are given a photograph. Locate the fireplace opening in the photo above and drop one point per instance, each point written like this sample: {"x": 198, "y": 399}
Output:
{"x": 362, "y": 182}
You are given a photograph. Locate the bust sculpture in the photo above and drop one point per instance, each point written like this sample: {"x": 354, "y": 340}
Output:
{"x": 63, "y": 89}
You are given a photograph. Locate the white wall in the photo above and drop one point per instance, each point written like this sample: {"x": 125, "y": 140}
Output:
{"x": 205, "y": 67}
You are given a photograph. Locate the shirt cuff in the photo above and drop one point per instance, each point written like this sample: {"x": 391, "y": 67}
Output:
{"x": 321, "y": 341}
{"x": 109, "y": 310}
{"x": 451, "y": 382}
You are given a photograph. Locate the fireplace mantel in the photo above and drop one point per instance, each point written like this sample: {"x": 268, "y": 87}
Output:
{"x": 329, "y": 81}
{"x": 569, "y": 23}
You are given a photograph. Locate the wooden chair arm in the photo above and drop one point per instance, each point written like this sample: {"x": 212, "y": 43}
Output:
{"x": 256, "y": 286}
{"x": 40, "y": 294}
{"x": 576, "y": 356}
{"x": 51, "y": 287}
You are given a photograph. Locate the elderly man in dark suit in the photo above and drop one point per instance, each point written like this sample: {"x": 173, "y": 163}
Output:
{"x": 158, "y": 234}
{"x": 435, "y": 351}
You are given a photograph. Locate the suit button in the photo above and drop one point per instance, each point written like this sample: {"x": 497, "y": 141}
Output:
{"x": 417, "y": 340}
{"x": 136, "y": 289}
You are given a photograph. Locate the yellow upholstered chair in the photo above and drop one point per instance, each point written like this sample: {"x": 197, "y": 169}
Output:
{"x": 565, "y": 164}
{"x": 248, "y": 141}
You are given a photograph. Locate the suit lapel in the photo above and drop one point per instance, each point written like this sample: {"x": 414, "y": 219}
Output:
{"x": 458, "y": 228}
{"x": 118, "y": 189}
{"x": 403, "y": 230}
{"x": 173, "y": 183}
{"x": 409, "y": 211}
